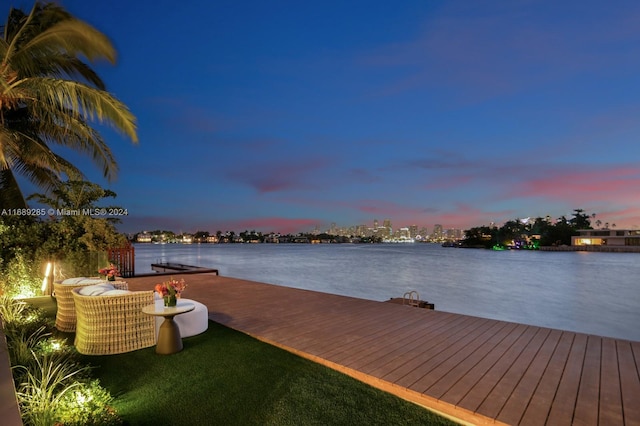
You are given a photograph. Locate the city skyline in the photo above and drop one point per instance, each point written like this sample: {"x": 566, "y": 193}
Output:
{"x": 382, "y": 233}
{"x": 289, "y": 116}
{"x": 332, "y": 229}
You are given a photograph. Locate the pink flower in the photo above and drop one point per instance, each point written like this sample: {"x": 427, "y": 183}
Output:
{"x": 111, "y": 271}
{"x": 170, "y": 287}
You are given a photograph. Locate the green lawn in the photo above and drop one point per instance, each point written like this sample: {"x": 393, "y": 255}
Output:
{"x": 224, "y": 377}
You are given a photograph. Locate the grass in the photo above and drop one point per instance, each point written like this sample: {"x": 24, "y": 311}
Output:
{"x": 226, "y": 377}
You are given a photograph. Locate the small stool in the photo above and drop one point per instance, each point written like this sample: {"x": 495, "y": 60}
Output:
{"x": 190, "y": 323}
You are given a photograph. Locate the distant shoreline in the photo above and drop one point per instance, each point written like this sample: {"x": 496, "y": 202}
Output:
{"x": 605, "y": 249}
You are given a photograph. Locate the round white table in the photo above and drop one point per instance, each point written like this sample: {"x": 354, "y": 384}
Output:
{"x": 169, "y": 339}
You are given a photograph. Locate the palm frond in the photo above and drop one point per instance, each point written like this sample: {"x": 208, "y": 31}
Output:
{"x": 49, "y": 35}
{"x": 50, "y": 96}
{"x": 74, "y": 37}
{"x": 63, "y": 128}
{"x": 86, "y": 101}
{"x": 10, "y": 194}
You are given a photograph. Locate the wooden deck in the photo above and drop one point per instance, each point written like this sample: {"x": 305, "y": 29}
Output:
{"x": 475, "y": 370}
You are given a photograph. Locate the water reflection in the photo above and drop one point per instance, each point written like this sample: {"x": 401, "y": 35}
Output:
{"x": 594, "y": 293}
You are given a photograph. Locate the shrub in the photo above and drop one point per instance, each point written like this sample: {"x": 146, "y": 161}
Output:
{"x": 87, "y": 405}
{"x": 46, "y": 384}
{"x": 51, "y": 385}
{"x": 21, "y": 278}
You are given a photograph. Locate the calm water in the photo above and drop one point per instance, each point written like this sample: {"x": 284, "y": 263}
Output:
{"x": 596, "y": 293}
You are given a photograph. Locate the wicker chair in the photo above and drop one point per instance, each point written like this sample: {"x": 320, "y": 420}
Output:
{"x": 113, "y": 324}
{"x": 66, "y": 313}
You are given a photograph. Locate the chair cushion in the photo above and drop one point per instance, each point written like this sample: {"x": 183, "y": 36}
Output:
{"x": 115, "y": 292}
{"x": 95, "y": 290}
{"x": 82, "y": 280}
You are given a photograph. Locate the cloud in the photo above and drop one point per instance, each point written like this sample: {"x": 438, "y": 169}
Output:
{"x": 385, "y": 208}
{"x": 362, "y": 175}
{"x": 278, "y": 175}
{"x": 586, "y": 185}
{"x": 464, "y": 216}
{"x": 183, "y": 115}
{"x": 628, "y": 217}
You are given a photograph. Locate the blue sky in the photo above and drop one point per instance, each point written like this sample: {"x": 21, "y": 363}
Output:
{"x": 287, "y": 115}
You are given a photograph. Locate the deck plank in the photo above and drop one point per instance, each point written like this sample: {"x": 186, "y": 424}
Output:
{"x": 461, "y": 370}
{"x": 461, "y": 389}
{"x": 629, "y": 359}
{"x": 523, "y": 394}
{"x": 436, "y": 366}
{"x": 405, "y": 372}
{"x": 564, "y": 403}
{"x": 398, "y": 354}
{"x": 610, "y": 407}
{"x": 496, "y": 400}
{"x": 586, "y": 412}
{"x": 457, "y": 358}
{"x": 374, "y": 345}
{"x": 537, "y": 412}
{"x": 478, "y": 394}
{"x": 476, "y": 370}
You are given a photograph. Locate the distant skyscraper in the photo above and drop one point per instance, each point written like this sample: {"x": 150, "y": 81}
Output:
{"x": 334, "y": 229}
{"x": 413, "y": 231}
{"x": 375, "y": 223}
{"x": 437, "y": 232}
{"x": 387, "y": 225}
{"x": 403, "y": 233}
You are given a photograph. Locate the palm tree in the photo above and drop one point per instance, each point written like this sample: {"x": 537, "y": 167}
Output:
{"x": 49, "y": 97}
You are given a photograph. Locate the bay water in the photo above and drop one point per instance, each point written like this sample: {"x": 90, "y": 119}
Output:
{"x": 594, "y": 293}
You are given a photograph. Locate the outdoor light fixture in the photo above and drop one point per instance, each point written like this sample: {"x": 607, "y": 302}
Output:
{"x": 47, "y": 278}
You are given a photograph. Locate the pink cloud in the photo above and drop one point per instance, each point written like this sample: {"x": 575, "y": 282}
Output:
{"x": 463, "y": 216}
{"x": 623, "y": 218}
{"x": 608, "y": 185}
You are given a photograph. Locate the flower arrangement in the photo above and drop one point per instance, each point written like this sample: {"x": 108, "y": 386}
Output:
{"x": 170, "y": 290}
{"x": 110, "y": 272}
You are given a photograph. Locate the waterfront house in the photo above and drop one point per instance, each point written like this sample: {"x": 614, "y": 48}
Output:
{"x": 607, "y": 237}
{"x": 143, "y": 238}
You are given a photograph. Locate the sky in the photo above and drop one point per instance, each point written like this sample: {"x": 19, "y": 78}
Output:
{"x": 286, "y": 116}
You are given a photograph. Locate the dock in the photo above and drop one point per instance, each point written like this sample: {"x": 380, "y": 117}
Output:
{"x": 417, "y": 303}
{"x": 170, "y": 267}
{"x": 473, "y": 370}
